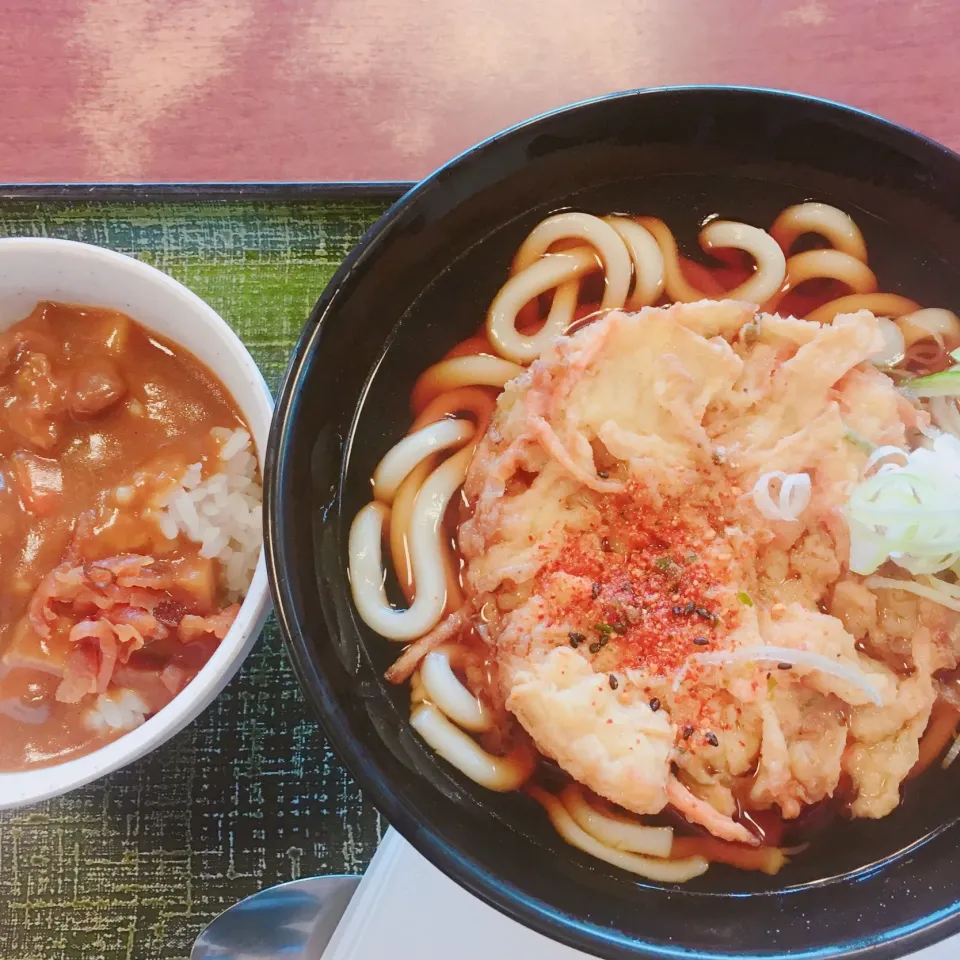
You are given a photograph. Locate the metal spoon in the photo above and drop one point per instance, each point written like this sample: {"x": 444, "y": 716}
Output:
{"x": 292, "y": 921}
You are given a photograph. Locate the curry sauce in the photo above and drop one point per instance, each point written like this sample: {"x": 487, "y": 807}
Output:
{"x": 98, "y": 417}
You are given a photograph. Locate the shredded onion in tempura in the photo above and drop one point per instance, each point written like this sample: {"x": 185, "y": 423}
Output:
{"x": 932, "y": 589}
{"x": 770, "y": 654}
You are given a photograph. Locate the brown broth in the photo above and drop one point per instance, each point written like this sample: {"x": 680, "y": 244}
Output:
{"x": 97, "y": 415}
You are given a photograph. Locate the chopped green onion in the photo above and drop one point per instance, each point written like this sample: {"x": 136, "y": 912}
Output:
{"x": 663, "y": 563}
{"x": 603, "y": 628}
{"x": 846, "y": 669}
{"x": 909, "y": 513}
{"x": 944, "y": 384}
{"x": 744, "y": 598}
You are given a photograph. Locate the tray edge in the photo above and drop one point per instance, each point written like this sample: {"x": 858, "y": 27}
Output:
{"x": 278, "y": 191}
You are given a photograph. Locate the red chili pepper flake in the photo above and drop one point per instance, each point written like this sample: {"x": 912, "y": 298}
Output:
{"x": 654, "y": 594}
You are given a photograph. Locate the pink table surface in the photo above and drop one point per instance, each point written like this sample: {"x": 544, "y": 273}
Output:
{"x": 388, "y": 89}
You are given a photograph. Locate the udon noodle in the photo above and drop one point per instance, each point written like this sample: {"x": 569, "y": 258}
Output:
{"x": 476, "y": 630}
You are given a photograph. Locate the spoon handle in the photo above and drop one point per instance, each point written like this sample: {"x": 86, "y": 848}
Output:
{"x": 291, "y": 921}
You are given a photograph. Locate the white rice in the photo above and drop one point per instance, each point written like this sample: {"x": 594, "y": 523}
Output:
{"x": 222, "y": 513}
{"x": 121, "y": 709}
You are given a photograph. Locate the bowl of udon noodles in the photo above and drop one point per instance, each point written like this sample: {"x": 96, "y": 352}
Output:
{"x": 612, "y": 517}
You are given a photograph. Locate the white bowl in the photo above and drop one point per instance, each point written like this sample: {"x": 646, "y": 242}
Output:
{"x": 34, "y": 269}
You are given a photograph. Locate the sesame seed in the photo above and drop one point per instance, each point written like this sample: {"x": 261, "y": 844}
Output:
{"x": 614, "y": 682}
{"x": 687, "y": 731}
{"x": 595, "y": 591}
{"x": 784, "y": 666}
{"x": 711, "y": 738}
{"x": 654, "y": 704}
{"x": 595, "y": 647}
{"x": 576, "y": 639}
{"x": 701, "y": 641}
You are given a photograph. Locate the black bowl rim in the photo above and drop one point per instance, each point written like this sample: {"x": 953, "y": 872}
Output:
{"x": 924, "y": 931}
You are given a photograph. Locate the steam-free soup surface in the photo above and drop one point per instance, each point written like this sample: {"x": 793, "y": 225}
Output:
{"x": 98, "y": 418}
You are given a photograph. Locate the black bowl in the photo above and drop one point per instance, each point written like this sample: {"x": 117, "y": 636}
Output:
{"x": 419, "y": 281}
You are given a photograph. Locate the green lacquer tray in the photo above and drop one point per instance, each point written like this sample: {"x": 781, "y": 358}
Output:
{"x": 134, "y": 865}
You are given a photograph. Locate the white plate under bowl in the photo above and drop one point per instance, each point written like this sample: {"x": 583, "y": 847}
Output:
{"x": 35, "y": 269}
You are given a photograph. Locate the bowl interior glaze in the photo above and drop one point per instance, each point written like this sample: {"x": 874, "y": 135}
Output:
{"x": 419, "y": 282}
